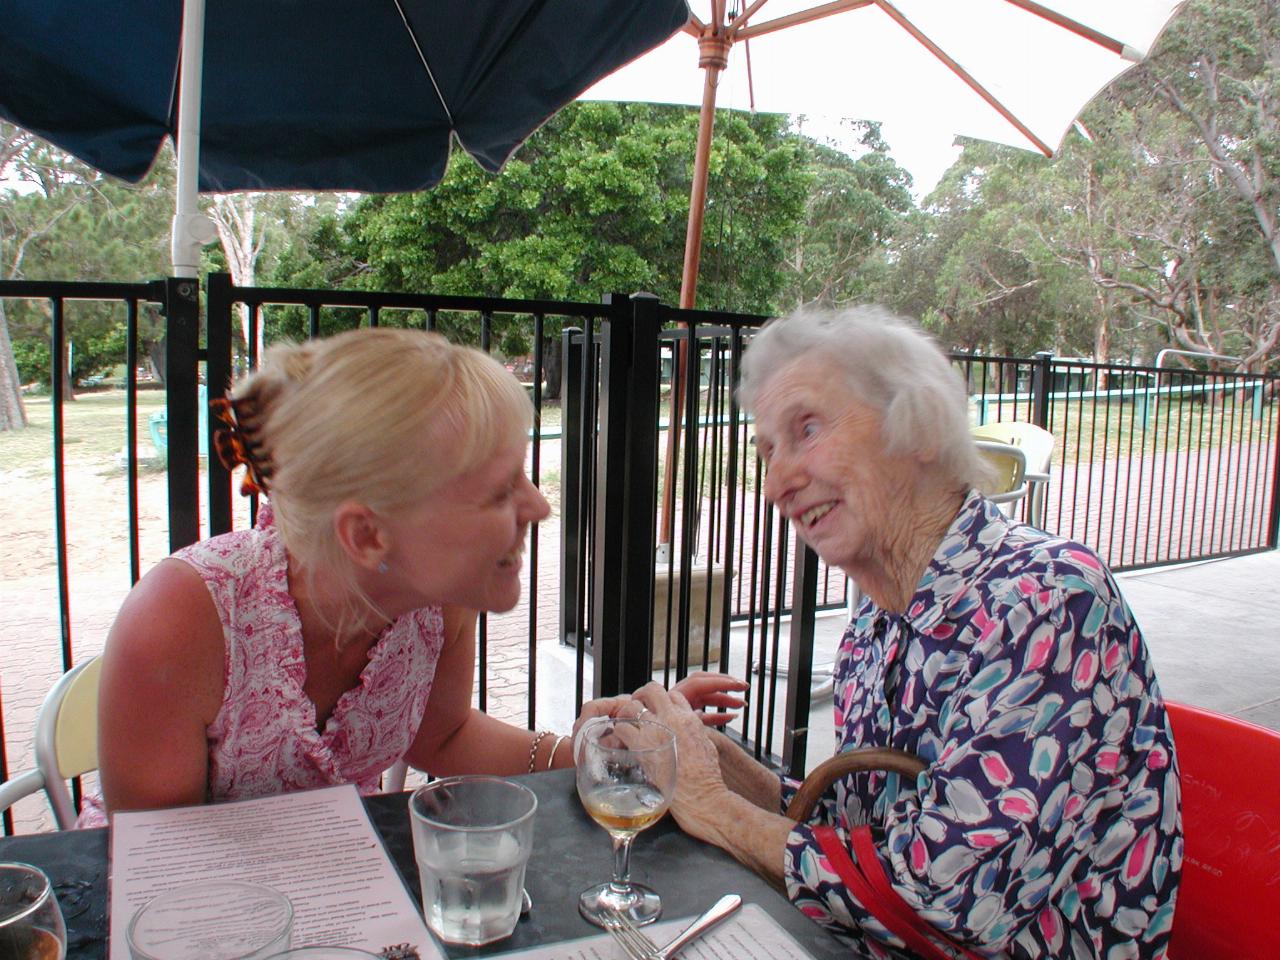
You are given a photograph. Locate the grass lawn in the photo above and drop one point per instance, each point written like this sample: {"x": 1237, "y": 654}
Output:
{"x": 93, "y": 426}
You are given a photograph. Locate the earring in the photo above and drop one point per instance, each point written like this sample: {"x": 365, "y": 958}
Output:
{"x": 383, "y": 566}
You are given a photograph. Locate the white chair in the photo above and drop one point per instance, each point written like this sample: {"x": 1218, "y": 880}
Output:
{"x": 66, "y": 742}
{"x": 1036, "y": 445}
{"x": 1009, "y": 466}
{"x": 393, "y": 777}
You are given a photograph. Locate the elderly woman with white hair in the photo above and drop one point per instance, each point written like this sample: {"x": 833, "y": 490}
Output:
{"x": 1045, "y": 821}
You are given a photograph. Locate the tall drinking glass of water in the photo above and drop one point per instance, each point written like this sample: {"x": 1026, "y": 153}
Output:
{"x": 31, "y": 926}
{"x": 626, "y": 778}
{"x": 472, "y": 837}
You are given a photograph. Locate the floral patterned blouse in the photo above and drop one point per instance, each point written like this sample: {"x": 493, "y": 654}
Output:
{"x": 1047, "y": 823}
{"x": 264, "y": 739}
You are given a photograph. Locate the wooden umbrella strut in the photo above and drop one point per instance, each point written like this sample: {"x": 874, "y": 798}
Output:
{"x": 713, "y": 56}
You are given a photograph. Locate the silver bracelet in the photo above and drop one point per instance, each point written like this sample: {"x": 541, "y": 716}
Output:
{"x": 554, "y": 747}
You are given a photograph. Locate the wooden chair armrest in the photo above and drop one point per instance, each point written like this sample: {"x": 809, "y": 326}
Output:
{"x": 843, "y": 764}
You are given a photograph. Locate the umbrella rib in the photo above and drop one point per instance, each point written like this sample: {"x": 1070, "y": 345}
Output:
{"x": 963, "y": 74}
{"x": 801, "y": 16}
{"x": 1079, "y": 29}
{"x": 423, "y": 57}
{"x": 742, "y": 18}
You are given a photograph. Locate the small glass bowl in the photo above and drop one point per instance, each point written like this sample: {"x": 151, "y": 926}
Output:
{"x": 220, "y": 920}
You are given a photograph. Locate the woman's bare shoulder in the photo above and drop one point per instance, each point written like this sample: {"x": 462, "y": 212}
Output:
{"x": 168, "y": 633}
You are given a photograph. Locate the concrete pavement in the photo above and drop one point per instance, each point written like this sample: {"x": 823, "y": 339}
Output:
{"x": 1213, "y": 629}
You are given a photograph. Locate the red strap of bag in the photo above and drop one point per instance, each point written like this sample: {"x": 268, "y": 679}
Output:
{"x": 867, "y": 881}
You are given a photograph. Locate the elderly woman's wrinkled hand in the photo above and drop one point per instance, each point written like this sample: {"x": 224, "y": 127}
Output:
{"x": 622, "y": 705}
{"x": 703, "y": 689}
{"x": 698, "y": 777}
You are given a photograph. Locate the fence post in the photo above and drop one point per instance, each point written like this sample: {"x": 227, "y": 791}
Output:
{"x": 572, "y": 465}
{"x": 625, "y": 498}
{"x": 804, "y": 607}
{"x": 642, "y": 492}
{"x": 1273, "y": 535}
{"x": 1041, "y": 387}
{"x": 218, "y": 378}
{"x": 182, "y": 349}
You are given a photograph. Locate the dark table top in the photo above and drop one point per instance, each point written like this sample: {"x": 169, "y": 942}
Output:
{"x": 570, "y": 854}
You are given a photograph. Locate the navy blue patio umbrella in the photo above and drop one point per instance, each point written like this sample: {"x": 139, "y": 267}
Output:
{"x": 360, "y": 95}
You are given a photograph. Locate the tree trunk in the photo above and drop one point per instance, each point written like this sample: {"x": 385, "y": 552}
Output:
{"x": 156, "y": 355}
{"x": 242, "y": 239}
{"x": 551, "y": 368}
{"x": 1102, "y": 338}
{"x": 13, "y": 415}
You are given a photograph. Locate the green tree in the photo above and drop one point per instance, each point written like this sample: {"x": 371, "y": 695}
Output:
{"x": 61, "y": 220}
{"x": 971, "y": 270}
{"x": 854, "y": 208}
{"x": 79, "y": 225}
{"x": 1217, "y": 70}
{"x": 596, "y": 202}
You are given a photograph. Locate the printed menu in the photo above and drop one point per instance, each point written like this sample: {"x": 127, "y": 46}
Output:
{"x": 316, "y": 847}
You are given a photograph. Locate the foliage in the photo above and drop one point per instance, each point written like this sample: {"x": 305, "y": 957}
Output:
{"x": 70, "y": 223}
{"x": 854, "y": 210}
{"x": 1156, "y": 226}
{"x": 1216, "y": 77}
{"x": 594, "y": 203}
{"x": 1156, "y": 229}
{"x": 968, "y": 268}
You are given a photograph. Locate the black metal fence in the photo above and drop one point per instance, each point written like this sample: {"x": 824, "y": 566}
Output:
{"x": 1151, "y": 465}
{"x": 61, "y": 301}
{"x": 666, "y": 557}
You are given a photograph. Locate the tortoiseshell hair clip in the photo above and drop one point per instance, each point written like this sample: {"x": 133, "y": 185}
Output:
{"x": 234, "y": 447}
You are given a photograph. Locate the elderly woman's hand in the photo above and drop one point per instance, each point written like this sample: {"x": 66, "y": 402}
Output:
{"x": 622, "y": 705}
{"x": 703, "y": 689}
{"x": 699, "y": 783}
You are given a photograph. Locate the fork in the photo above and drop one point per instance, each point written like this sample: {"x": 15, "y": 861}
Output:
{"x": 633, "y": 943}
{"x": 638, "y": 946}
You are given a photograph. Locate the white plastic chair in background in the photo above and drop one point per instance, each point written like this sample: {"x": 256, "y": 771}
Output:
{"x": 1009, "y": 465}
{"x": 393, "y": 777}
{"x": 66, "y": 742}
{"x": 1035, "y": 446}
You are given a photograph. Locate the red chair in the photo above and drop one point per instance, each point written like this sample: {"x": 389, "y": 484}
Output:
{"x": 1229, "y": 899}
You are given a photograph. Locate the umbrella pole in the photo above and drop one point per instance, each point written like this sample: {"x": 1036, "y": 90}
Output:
{"x": 190, "y": 230}
{"x": 713, "y": 56}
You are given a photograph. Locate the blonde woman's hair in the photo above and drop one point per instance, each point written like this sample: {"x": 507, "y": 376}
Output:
{"x": 381, "y": 416}
{"x": 889, "y": 364}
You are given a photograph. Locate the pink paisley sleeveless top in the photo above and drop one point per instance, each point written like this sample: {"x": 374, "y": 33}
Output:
{"x": 264, "y": 738}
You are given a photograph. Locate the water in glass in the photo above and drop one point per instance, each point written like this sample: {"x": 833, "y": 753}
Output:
{"x": 472, "y": 837}
{"x": 471, "y": 888}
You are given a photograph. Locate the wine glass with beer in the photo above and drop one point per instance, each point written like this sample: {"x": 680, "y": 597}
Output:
{"x": 31, "y": 926}
{"x": 626, "y": 770}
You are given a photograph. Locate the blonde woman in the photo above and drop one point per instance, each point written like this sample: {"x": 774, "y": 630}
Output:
{"x": 338, "y": 635}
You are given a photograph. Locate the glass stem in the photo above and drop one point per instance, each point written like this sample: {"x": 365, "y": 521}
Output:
{"x": 621, "y": 882}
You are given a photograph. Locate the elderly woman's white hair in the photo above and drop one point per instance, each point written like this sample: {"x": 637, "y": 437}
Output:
{"x": 892, "y": 366}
